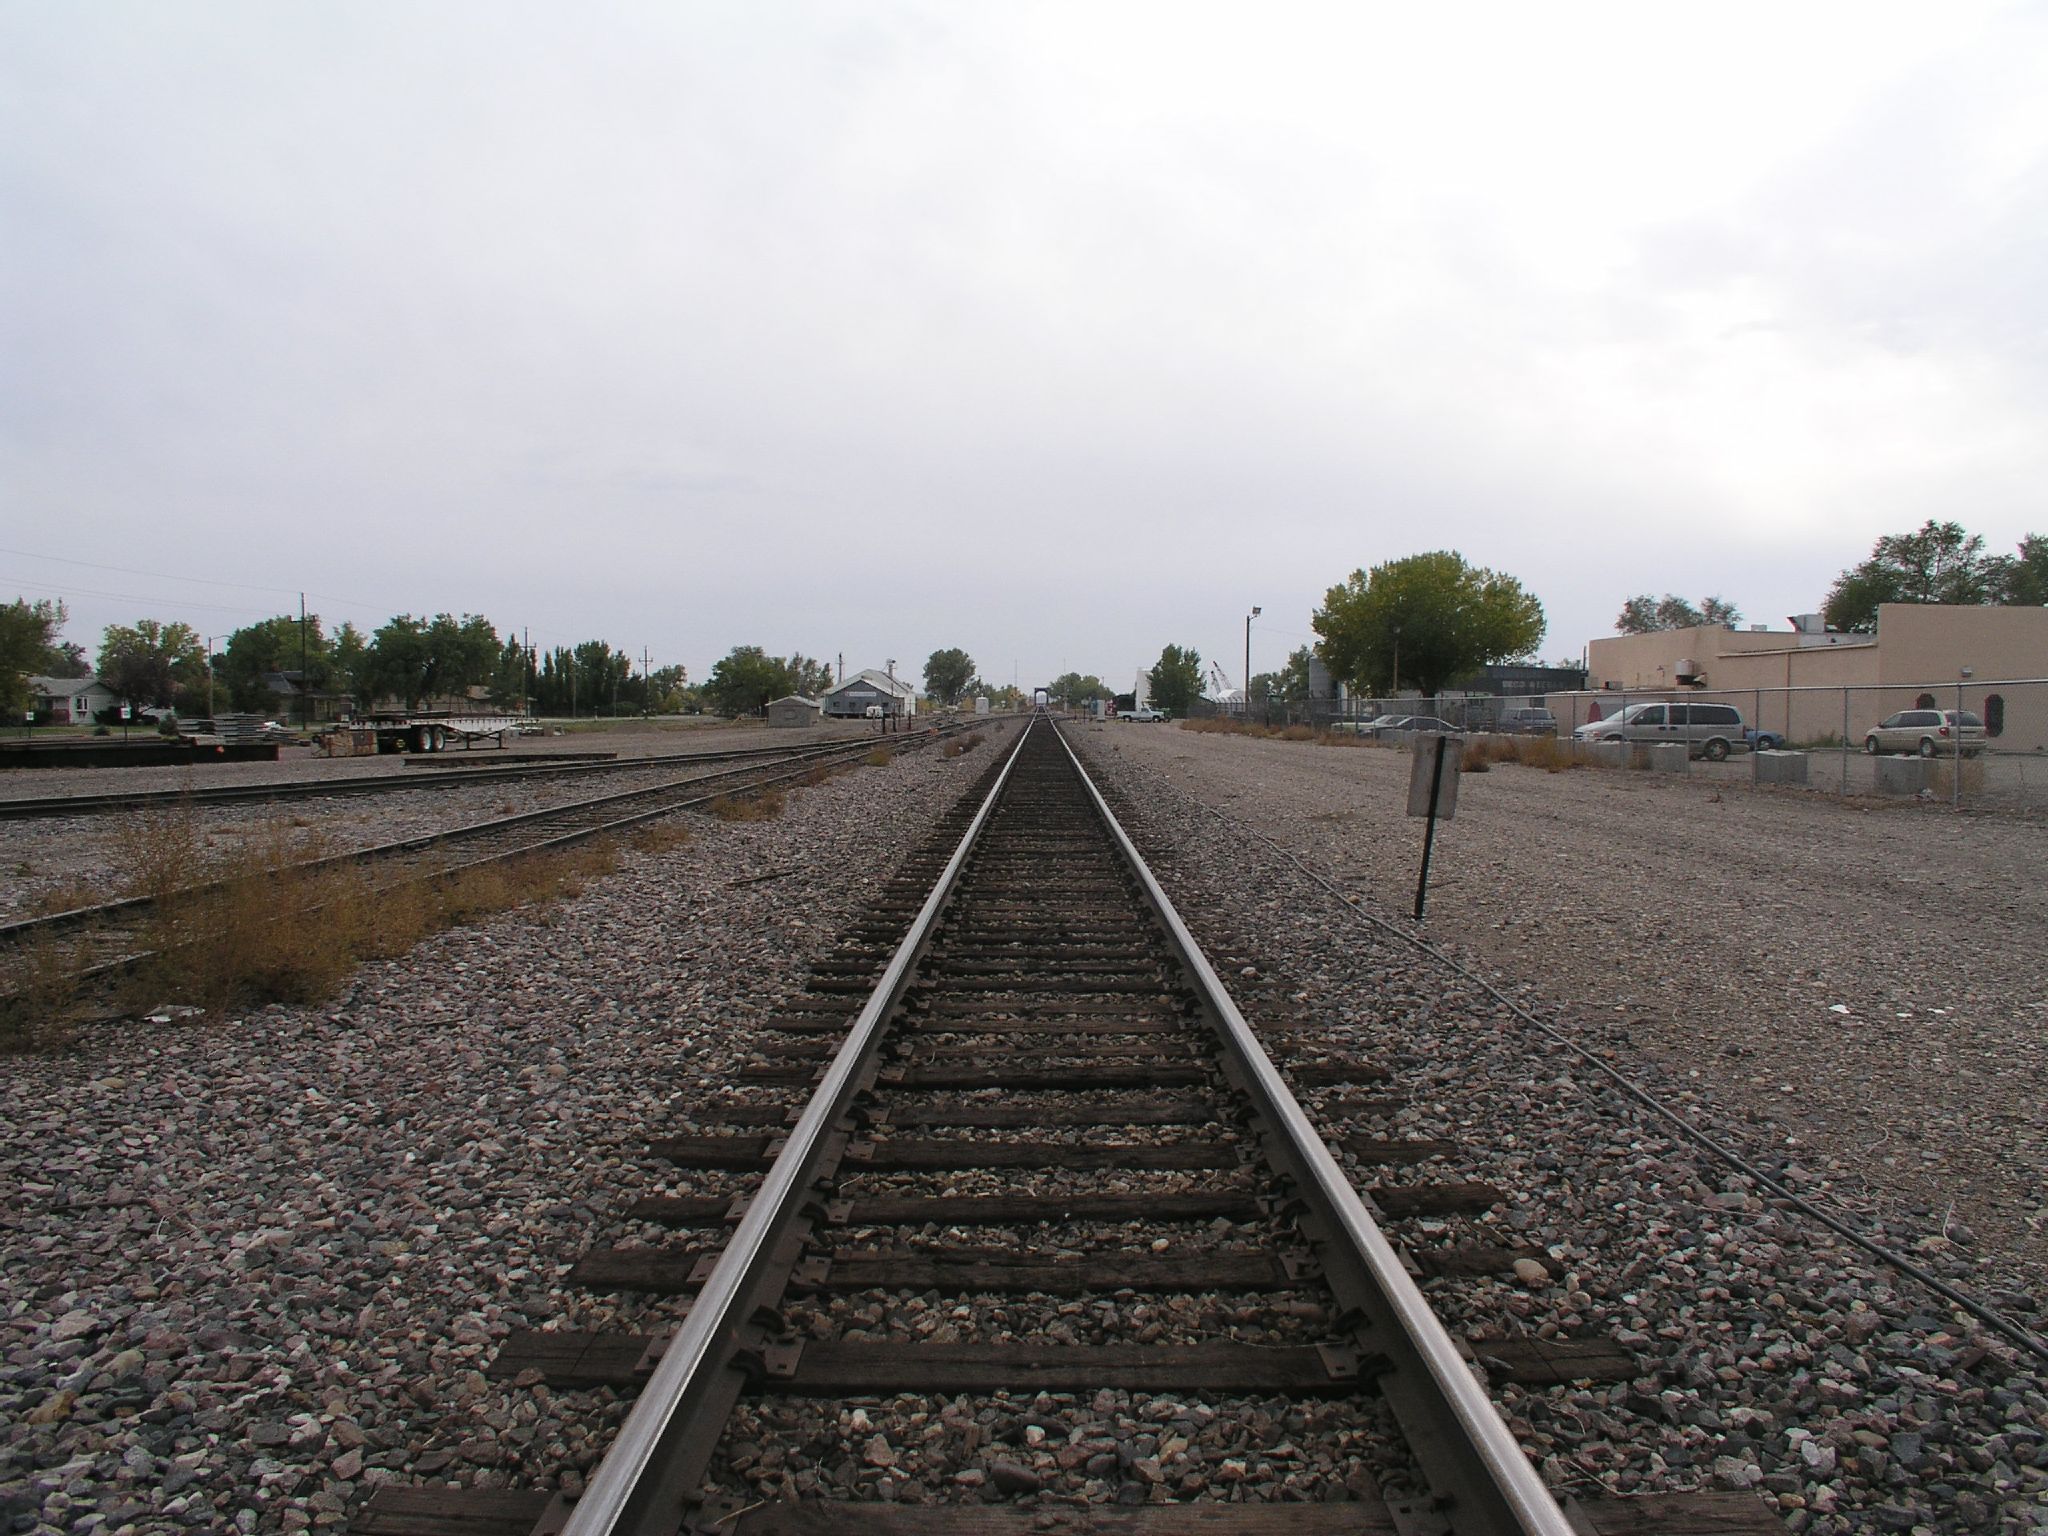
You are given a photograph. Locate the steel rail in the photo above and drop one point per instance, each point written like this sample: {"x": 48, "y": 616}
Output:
{"x": 633, "y": 1491}
{"x": 1449, "y": 1420}
{"x": 18, "y": 929}
{"x": 485, "y": 773}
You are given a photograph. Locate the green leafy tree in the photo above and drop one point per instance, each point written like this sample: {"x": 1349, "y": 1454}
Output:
{"x": 747, "y": 677}
{"x": 417, "y": 659}
{"x": 1071, "y": 688}
{"x": 1937, "y": 563}
{"x": 2023, "y": 579}
{"x": 1644, "y": 614}
{"x": 1439, "y": 616}
{"x": 273, "y": 645}
{"x": 349, "y": 663}
{"x": 1288, "y": 686}
{"x": 152, "y": 663}
{"x": 946, "y": 674}
{"x": 28, "y": 636}
{"x": 1176, "y": 679}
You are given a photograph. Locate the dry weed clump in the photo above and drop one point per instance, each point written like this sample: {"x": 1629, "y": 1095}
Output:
{"x": 258, "y": 926}
{"x": 68, "y": 897}
{"x": 761, "y": 805}
{"x": 879, "y": 758}
{"x": 38, "y": 1012}
{"x": 665, "y": 836}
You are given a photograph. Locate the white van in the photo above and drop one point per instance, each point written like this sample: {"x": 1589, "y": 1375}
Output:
{"x": 1711, "y": 731}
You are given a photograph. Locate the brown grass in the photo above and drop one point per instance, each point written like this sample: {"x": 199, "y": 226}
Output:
{"x": 760, "y": 805}
{"x": 659, "y": 836}
{"x": 879, "y": 758}
{"x": 37, "y": 1015}
{"x": 68, "y": 897}
{"x": 253, "y": 926}
{"x": 1544, "y": 752}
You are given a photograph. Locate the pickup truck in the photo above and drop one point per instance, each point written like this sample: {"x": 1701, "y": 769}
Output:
{"x": 1147, "y": 712}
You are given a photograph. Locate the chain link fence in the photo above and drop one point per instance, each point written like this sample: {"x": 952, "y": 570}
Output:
{"x": 1967, "y": 741}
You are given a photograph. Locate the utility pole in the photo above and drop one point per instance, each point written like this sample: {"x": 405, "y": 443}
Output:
{"x": 305, "y": 679}
{"x": 646, "y": 683}
{"x": 1256, "y": 611}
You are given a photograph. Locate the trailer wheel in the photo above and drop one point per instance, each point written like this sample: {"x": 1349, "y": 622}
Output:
{"x": 440, "y": 739}
{"x": 423, "y": 738}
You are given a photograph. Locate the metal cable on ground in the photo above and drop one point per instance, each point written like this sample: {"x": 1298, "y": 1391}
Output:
{"x": 2016, "y": 1333}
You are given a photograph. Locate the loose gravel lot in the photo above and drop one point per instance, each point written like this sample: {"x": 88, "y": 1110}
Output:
{"x": 252, "y": 1266}
{"x": 1777, "y": 1358}
{"x": 1863, "y": 983}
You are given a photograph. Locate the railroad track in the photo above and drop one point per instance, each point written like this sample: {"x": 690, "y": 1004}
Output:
{"x": 104, "y": 939}
{"x": 1013, "y": 1122}
{"x": 481, "y": 771}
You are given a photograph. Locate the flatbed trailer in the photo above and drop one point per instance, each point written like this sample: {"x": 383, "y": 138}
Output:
{"x": 426, "y": 730}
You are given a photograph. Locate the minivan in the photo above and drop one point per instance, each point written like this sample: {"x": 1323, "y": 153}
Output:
{"x": 1711, "y": 731}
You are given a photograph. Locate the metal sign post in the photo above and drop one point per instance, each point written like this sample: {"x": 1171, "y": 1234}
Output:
{"x": 1433, "y": 793}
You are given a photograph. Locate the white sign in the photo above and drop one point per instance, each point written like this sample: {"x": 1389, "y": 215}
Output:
{"x": 1423, "y": 769}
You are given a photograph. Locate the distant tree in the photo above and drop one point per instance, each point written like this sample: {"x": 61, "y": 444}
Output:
{"x": 417, "y": 659}
{"x": 666, "y": 691}
{"x": 1176, "y": 679}
{"x": 1644, "y": 614}
{"x": 349, "y": 663}
{"x": 2023, "y": 579}
{"x": 747, "y": 678}
{"x": 271, "y": 645}
{"x": 807, "y": 677}
{"x": 28, "y": 636}
{"x": 1427, "y": 619}
{"x": 946, "y": 673}
{"x": 1289, "y": 685}
{"x": 1938, "y": 563}
{"x": 150, "y": 662}
{"x": 1071, "y": 688}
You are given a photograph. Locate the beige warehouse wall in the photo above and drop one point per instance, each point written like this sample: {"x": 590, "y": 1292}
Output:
{"x": 1918, "y": 649}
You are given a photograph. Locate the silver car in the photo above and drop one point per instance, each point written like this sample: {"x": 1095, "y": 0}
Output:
{"x": 1930, "y": 732}
{"x": 1711, "y": 731}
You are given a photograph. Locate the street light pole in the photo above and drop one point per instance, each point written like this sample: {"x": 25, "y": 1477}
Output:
{"x": 1397, "y": 658}
{"x": 1256, "y": 611}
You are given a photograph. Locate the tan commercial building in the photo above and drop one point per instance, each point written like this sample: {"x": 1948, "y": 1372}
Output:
{"x": 1808, "y": 685}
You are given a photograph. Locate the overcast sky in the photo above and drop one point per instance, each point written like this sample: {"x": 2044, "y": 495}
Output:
{"x": 1054, "y": 332}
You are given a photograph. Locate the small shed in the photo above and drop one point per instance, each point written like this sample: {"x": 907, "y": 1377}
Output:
{"x": 794, "y": 710}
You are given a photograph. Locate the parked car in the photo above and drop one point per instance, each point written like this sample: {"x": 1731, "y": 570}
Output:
{"x": 1526, "y": 721}
{"x": 1430, "y": 723}
{"x": 1930, "y": 732}
{"x": 1764, "y": 741}
{"x": 1143, "y": 712}
{"x": 1711, "y": 731}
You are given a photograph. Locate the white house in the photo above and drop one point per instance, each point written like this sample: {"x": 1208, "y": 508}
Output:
{"x": 69, "y": 700}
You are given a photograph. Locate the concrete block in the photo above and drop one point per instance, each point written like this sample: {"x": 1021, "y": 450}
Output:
{"x": 1664, "y": 756}
{"x": 1781, "y": 767}
{"x": 1902, "y": 775}
{"x": 1605, "y": 754}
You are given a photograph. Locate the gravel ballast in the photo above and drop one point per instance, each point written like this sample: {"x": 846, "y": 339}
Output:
{"x": 1778, "y": 1358}
{"x": 255, "y": 1265}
